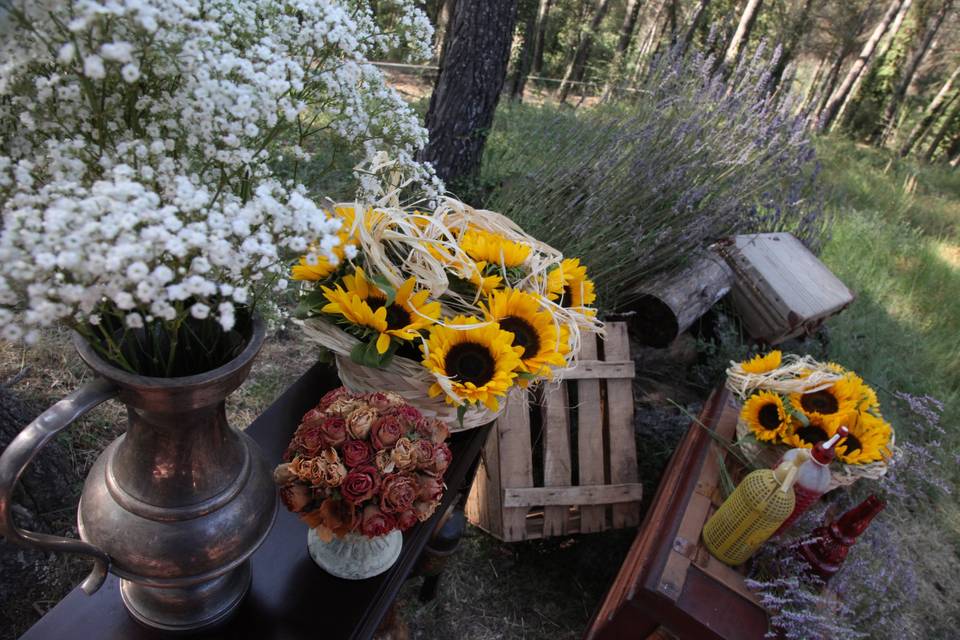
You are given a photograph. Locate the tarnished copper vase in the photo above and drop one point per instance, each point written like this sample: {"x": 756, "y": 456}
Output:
{"x": 175, "y": 506}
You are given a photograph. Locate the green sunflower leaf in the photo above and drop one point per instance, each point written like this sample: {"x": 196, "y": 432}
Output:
{"x": 384, "y": 285}
{"x": 310, "y": 305}
{"x": 461, "y": 412}
{"x": 799, "y": 416}
{"x": 358, "y": 353}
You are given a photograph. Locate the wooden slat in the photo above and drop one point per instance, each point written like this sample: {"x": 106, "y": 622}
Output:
{"x": 623, "y": 443}
{"x": 556, "y": 453}
{"x": 590, "y": 439}
{"x": 516, "y": 460}
{"x": 484, "y": 505}
{"x": 600, "y": 369}
{"x": 581, "y": 495}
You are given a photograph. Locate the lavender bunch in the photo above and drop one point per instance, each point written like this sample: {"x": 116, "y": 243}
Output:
{"x": 635, "y": 187}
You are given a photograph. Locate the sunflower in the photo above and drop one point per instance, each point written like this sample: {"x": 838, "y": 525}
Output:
{"x": 403, "y": 319}
{"x": 486, "y": 284}
{"x": 833, "y": 400}
{"x": 867, "y": 441}
{"x": 766, "y": 416}
{"x": 357, "y": 312}
{"x": 762, "y": 364}
{"x": 569, "y": 283}
{"x": 820, "y": 428}
{"x": 534, "y": 330}
{"x": 862, "y": 395}
{"x": 473, "y": 364}
{"x": 484, "y": 246}
{"x": 320, "y": 267}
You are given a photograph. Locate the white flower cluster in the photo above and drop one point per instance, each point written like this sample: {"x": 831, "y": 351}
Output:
{"x": 136, "y": 138}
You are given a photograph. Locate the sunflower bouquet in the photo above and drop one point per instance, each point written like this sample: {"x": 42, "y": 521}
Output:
{"x": 792, "y": 401}
{"x": 451, "y": 308}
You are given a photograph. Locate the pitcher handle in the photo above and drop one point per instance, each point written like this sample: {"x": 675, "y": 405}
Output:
{"x": 24, "y": 449}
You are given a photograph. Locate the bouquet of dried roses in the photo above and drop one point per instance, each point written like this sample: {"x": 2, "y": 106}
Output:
{"x": 364, "y": 463}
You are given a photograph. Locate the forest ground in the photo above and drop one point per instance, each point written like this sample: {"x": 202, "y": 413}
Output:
{"x": 895, "y": 241}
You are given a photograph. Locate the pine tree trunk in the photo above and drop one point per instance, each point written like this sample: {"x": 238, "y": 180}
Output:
{"x": 742, "y": 34}
{"x": 945, "y": 127}
{"x": 578, "y": 63}
{"x": 810, "y": 92}
{"x": 444, "y": 16}
{"x": 798, "y": 29}
{"x": 695, "y": 21}
{"x": 471, "y": 76}
{"x": 842, "y": 94}
{"x": 615, "y": 74}
{"x": 543, "y": 13}
{"x": 887, "y": 124}
{"x": 930, "y": 113}
{"x": 524, "y": 60}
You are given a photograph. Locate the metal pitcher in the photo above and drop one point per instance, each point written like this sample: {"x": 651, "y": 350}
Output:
{"x": 175, "y": 506}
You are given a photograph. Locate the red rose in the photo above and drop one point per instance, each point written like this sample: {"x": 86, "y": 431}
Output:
{"x": 330, "y": 429}
{"x": 356, "y": 452}
{"x": 375, "y": 522}
{"x": 332, "y": 396}
{"x": 408, "y": 416}
{"x": 308, "y": 441}
{"x": 441, "y": 459}
{"x": 295, "y": 497}
{"x": 407, "y": 519}
{"x": 434, "y": 430}
{"x": 425, "y": 452}
{"x": 386, "y": 431}
{"x": 397, "y": 492}
{"x": 360, "y": 484}
{"x": 384, "y": 400}
{"x": 431, "y": 488}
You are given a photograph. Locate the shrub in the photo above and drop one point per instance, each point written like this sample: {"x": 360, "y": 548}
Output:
{"x": 635, "y": 187}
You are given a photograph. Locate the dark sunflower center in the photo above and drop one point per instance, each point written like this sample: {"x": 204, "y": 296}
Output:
{"x": 523, "y": 335}
{"x": 811, "y": 434}
{"x": 852, "y": 443}
{"x": 567, "y": 300}
{"x": 397, "y": 317}
{"x": 822, "y": 402}
{"x": 470, "y": 362}
{"x": 769, "y": 416}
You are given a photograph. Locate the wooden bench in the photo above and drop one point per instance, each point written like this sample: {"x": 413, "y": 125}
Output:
{"x": 669, "y": 581}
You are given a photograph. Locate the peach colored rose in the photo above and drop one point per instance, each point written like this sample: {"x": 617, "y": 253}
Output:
{"x": 344, "y": 406}
{"x": 434, "y": 430}
{"x": 360, "y": 421}
{"x": 386, "y": 431}
{"x": 384, "y": 461}
{"x": 283, "y": 474}
{"x": 361, "y": 483}
{"x": 295, "y": 497}
{"x": 329, "y": 398}
{"x": 384, "y": 399}
{"x": 425, "y": 453}
{"x": 431, "y": 488}
{"x": 404, "y": 454}
{"x": 356, "y": 452}
{"x": 397, "y": 492}
{"x": 302, "y": 468}
{"x": 328, "y": 469}
{"x": 375, "y": 522}
{"x": 424, "y": 509}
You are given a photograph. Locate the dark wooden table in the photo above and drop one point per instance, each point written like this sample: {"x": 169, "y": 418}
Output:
{"x": 291, "y": 597}
{"x": 669, "y": 580}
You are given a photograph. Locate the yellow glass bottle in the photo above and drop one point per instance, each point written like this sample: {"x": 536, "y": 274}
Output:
{"x": 751, "y": 514}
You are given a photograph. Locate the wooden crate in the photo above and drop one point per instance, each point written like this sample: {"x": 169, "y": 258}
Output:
{"x": 525, "y": 485}
{"x": 781, "y": 290}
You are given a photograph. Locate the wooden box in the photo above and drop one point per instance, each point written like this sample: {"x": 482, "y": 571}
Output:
{"x": 669, "y": 580}
{"x": 562, "y": 459}
{"x": 781, "y": 290}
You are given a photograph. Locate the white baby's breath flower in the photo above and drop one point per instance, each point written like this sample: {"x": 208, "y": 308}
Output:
{"x": 93, "y": 67}
{"x": 200, "y": 311}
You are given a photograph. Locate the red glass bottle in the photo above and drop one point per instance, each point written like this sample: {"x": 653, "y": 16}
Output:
{"x": 826, "y": 548}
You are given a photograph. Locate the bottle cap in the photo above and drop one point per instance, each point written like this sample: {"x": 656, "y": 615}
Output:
{"x": 824, "y": 452}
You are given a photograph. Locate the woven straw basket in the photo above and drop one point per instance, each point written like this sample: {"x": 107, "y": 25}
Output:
{"x": 786, "y": 380}
{"x": 403, "y": 376}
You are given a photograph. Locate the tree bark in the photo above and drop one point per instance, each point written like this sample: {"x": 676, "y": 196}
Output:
{"x": 913, "y": 63}
{"x": 695, "y": 21}
{"x": 840, "y": 97}
{"x": 742, "y": 34}
{"x": 945, "y": 126}
{"x": 930, "y": 113}
{"x": 615, "y": 74}
{"x": 810, "y": 92}
{"x": 471, "y": 76}
{"x": 444, "y": 16}
{"x": 788, "y": 48}
{"x": 579, "y": 61}
{"x": 543, "y": 13}
{"x": 524, "y": 60}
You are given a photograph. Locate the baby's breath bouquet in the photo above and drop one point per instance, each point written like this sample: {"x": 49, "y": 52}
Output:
{"x": 137, "y": 138}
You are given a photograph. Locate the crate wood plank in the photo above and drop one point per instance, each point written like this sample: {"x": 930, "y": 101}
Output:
{"x": 623, "y": 443}
{"x": 590, "y": 440}
{"x": 516, "y": 460}
{"x": 600, "y": 369}
{"x": 556, "y": 454}
{"x": 581, "y": 495}
{"x": 484, "y": 506}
